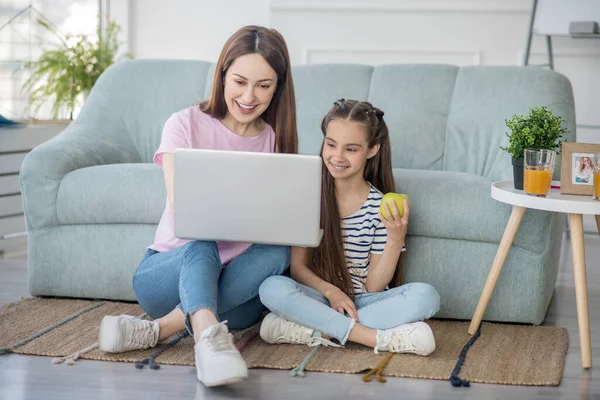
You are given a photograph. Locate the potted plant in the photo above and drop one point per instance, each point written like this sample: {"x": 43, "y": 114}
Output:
{"x": 540, "y": 129}
{"x": 70, "y": 69}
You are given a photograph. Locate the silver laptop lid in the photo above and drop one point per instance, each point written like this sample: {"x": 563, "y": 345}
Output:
{"x": 247, "y": 197}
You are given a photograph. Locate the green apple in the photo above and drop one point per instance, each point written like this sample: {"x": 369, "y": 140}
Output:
{"x": 398, "y": 198}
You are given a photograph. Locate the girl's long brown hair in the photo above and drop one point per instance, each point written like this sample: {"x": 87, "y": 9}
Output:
{"x": 328, "y": 260}
{"x": 281, "y": 113}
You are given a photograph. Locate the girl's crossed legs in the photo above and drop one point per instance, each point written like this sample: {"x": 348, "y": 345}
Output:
{"x": 379, "y": 314}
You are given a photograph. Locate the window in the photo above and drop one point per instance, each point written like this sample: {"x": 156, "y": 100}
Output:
{"x": 23, "y": 40}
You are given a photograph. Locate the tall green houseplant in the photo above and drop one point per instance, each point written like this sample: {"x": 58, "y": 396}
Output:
{"x": 64, "y": 73}
{"x": 540, "y": 129}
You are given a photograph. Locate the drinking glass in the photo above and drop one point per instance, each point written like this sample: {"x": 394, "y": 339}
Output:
{"x": 538, "y": 169}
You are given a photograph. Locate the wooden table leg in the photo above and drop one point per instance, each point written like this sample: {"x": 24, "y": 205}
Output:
{"x": 581, "y": 296}
{"x": 598, "y": 223}
{"x": 507, "y": 240}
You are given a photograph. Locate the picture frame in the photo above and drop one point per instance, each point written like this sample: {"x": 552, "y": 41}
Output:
{"x": 577, "y": 162}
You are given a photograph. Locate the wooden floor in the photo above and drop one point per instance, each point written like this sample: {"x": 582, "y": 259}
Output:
{"x": 28, "y": 377}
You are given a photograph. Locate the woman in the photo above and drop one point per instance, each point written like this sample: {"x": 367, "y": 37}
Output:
{"x": 197, "y": 284}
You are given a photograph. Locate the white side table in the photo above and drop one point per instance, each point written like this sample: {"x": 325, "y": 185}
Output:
{"x": 573, "y": 205}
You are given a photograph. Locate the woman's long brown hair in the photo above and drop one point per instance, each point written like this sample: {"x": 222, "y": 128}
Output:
{"x": 328, "y": 260}
{"x": 281, "y": 113}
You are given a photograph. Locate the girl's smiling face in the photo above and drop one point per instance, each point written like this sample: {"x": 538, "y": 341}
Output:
{"x": 345, "y": 149}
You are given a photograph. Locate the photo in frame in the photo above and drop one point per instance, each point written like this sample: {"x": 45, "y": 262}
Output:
{"x": 577, "y": 167}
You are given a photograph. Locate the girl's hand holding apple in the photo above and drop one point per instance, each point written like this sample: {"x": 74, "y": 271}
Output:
{"x": 394, "y": 212}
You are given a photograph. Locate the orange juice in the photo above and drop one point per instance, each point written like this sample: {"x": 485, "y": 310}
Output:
{"x": 537, "y": 182}
{"x": 597, "y": 185}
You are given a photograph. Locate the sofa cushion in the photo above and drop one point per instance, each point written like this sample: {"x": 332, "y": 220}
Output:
{"x": 112, "y": 194}
{"x": 145, "y": 94}
{"x": 317, "y": 87}
{"x": 483, "y": 98}
{"x": 456, "y": 205}
{"x": 416, "y": 100}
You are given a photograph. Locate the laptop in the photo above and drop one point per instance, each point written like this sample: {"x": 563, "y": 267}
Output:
{"x": 247, "y": 197}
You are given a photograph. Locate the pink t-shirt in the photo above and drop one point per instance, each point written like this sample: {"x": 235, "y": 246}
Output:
{"x": 191, "y": 128}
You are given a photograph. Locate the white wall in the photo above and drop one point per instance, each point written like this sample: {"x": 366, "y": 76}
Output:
{"x": 185, "y": 29}
{"x": 463, "y": 32}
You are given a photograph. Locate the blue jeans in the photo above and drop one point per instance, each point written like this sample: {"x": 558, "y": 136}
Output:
{"x": 383, "y": 310}
{"x": 191, "y": 277}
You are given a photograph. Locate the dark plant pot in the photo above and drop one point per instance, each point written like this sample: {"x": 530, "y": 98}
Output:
{"x": 517, "y": 164}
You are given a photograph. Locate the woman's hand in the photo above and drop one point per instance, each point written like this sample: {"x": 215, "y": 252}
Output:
{"x": 341, "y": 303}
{"x": 395, "y": 226}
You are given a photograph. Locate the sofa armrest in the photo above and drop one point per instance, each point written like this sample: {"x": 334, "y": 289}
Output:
{"x": 99, "y": 136}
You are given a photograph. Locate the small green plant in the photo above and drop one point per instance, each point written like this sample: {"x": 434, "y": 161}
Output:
{"x": 72, "y": 68}
{"x": 540, "y": 129}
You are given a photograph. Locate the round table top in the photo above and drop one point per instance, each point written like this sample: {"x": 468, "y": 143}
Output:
{"x": 505, "y": 192}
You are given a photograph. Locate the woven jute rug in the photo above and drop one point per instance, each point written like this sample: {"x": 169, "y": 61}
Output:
{"x": 499, "y": 353}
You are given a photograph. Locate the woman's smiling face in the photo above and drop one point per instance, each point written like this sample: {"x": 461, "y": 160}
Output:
{"x": 250, "y": 84}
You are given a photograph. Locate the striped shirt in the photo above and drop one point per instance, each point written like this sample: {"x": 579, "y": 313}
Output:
{"x": 363, "y": 234}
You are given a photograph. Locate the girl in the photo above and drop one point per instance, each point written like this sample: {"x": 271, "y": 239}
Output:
{"x": 196, "y": 284}
{"x": 338, "y": 290}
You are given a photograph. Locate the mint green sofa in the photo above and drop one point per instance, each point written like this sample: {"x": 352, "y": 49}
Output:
{"x": 93, "y": 198}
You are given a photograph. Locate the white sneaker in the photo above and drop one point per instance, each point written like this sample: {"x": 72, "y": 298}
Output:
{"x": 126, "y": 333}
{"x": 218, "y": 361}
{"x": 275, "y": 329}
{"x": 416, "y": 338}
